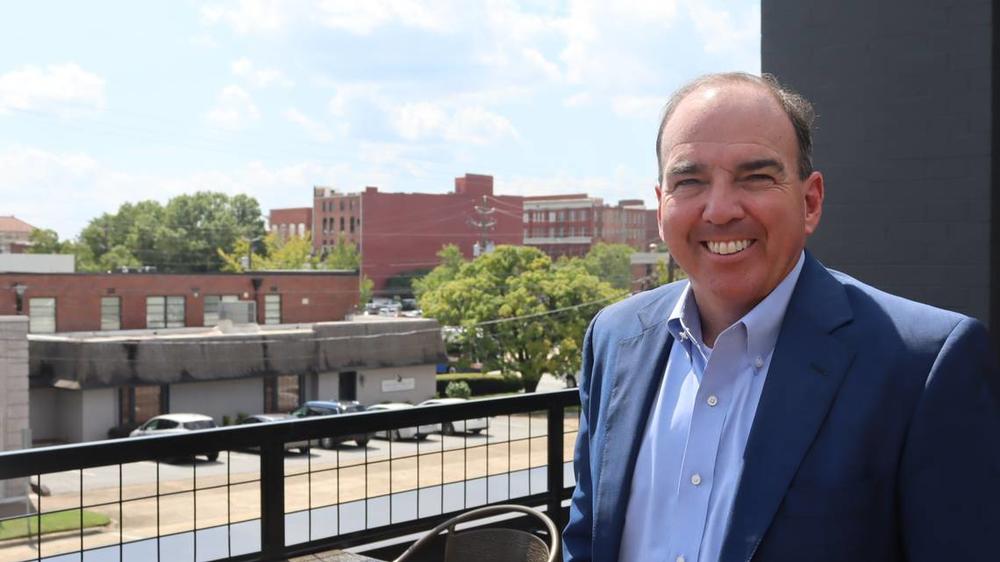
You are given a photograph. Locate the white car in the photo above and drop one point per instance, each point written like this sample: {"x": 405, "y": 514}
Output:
{"x": 474, "y": 425}
{"x": 171, "y": 424}
{"x": 418, "y": 433}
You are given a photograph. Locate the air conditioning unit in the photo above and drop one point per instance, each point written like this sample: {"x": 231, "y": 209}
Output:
{"x": 240, "y": 312}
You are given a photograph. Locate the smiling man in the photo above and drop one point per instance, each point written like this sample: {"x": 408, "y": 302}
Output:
{"x": 770, "y": 409}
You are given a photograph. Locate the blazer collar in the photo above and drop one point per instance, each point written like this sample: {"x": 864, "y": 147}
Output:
{"x": 806, "y": 371}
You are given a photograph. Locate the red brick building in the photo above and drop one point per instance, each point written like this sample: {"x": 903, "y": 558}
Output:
{"x": 14, "y": 235}
{"x": 75, "y": 302}
{"x": 568, "y": 225}
{"x": 287, "y": 222}
{"x": 403, "y": 232}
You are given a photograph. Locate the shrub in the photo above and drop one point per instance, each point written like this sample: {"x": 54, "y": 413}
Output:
{"x": 458, "y": 389}
{"x": 480, "y": 384}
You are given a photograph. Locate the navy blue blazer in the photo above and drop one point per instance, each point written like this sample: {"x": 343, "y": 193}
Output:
{"x": 877, "y": 435}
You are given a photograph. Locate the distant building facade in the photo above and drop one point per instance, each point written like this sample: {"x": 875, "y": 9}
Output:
{"x": 400, "y": 234}
{"x": 15, "y": 235}
{"x": 290, "y": 222}
{"x": 569, "y": 225}
{"x": 82, "y": 386}
{"x": 128, "y": 301}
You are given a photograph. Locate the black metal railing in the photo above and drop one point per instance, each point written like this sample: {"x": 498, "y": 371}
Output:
{"x": 377, "y": 494}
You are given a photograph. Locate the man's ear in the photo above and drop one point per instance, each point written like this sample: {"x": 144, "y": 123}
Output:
{"x": 813, "y": 197}
{"x": 659, "y": 211}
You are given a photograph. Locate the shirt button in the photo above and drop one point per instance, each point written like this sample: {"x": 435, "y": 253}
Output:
{"x": 758, "y": 363}
{"x": 712, "y": 400}
{"x": 684, "y": 336}
{"x": 696, "y": 479}
{"x": 680, "y": 559}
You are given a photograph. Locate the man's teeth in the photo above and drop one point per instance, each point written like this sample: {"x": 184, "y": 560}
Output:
{"x": 726, "y": 248}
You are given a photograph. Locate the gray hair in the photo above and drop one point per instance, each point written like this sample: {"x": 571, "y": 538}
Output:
{"x": 797, "y": 108}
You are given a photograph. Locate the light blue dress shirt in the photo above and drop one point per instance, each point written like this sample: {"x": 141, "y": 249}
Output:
{"x": 691, "y": 456}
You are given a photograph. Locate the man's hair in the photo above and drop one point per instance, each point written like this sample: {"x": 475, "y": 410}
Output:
{"x": 797, "y": 108}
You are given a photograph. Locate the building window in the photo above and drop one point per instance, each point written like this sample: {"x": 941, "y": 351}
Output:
{"x": 283, "y": 393}
{"x": 212, "y": 303}
{"x": 352, "y": 225}
{"x": 137, "y": 404}
{"x": 272, "y": 309}
{"x": 111, "y": 313}
{"x": 164, "y": 312}
{"x": 341, "y": 224}
{"x": 341, "y": 204}
{"x": 42, "y": 315}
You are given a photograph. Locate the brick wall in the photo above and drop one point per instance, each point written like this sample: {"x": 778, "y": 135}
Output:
{"x": 903, "y": 93}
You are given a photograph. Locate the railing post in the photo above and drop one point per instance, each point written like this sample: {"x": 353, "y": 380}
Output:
{"x": 555, "y": 461}
{"x": 272, "y": 499}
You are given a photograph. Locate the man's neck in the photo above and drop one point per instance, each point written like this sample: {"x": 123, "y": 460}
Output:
{"x": 715, "y": 318}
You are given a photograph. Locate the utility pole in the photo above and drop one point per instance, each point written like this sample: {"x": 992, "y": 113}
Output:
{"x": 484, "y": 222}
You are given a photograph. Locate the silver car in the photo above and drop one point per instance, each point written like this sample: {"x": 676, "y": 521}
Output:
{"x": 172, "y": 424}
{"x": 474, "y": 425}
{"x": 418, "y": 432}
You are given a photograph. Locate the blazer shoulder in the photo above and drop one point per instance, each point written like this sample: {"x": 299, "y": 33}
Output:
{"x": 631, "y": 316}
{"x": 908, "y": 317}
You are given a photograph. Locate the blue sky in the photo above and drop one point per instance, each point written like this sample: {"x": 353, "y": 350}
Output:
{"x": 107, "y": 102}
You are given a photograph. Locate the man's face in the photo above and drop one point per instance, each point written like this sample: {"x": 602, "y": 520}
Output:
{"x": 733, "y": 211}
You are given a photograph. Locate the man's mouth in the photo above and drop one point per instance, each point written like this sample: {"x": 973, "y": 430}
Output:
{"x": 727, "y": 247}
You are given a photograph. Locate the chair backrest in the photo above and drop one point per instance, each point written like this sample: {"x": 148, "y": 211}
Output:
{"x": 492, "y": 544}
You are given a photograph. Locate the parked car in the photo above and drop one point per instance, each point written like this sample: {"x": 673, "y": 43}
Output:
{"x": 418, "y": 432}
{"x": 474, "y": 425}
{"x": 333, "y": 408}
{"x": 170, "y": 424}
{"x": 301, "y": 446}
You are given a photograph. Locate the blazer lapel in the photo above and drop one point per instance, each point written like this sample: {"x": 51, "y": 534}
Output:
{"x": 805, "y": 373}
{"x": 638, "y": 372}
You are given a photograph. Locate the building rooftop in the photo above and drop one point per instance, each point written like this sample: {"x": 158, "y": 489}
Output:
{"x": 11, "y": 223}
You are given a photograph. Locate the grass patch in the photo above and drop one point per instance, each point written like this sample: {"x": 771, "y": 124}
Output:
{"x": 464, "y": 376}
{"x": 51, "y": 523}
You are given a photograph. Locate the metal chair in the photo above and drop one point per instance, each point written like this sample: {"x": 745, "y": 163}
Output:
{"x": 491, "y": 544}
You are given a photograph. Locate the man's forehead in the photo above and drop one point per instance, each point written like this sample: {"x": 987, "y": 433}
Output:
{"x": 736, "y": 117}
{"x": 728, "y": 155}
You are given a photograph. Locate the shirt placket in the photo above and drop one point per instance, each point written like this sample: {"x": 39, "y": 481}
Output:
{"x": 712, "y": 404}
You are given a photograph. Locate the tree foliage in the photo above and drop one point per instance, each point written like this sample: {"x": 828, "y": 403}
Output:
{"x": 451, "y": 261}
{"x": 181, "y": 236}
{"x": 520, "y": 312}
{"x": 611, "y": 263}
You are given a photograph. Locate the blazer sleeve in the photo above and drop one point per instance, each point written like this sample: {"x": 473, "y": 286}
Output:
{"x": 577, "y": 537}
{"x": 949, "y": 482}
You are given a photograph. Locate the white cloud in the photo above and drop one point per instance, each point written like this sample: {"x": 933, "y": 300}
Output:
{"x": 260, "y": 77}
{"x": 315, "y": 130}
{"x": 251, "y": 16}
{"x": 643, "y": 107}
{"x": 720, "y": 31}
{"x": 362, "y": 18}
{"x": 234, "y": 109}
{"x": 473, "y": 124}
{"x": 347, "y": 94}
{"x": 62, "y": 88}
{"x": 582, "y": 99}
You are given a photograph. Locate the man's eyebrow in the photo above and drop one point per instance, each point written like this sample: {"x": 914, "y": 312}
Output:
{"x": 684, "y": 167}
{"x": 760, "y": 164}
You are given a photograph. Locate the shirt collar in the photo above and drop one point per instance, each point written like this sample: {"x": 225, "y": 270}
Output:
{"x": 762, "y": 323}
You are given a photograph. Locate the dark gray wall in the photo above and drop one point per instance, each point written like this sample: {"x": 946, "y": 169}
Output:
{"x": 903, "y": 93}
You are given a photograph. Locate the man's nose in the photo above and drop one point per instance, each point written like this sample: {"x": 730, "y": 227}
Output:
{"x": 723, "y": 203}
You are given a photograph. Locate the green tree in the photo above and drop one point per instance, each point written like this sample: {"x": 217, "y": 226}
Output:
{"x": 294, "y": 252}
{"x": 520, "y": 312}
{"x": 343, "y": 255}
{"x": 45, "y": 241}
{"x": 611, "y": 263}
{"x": 451, "y": 261}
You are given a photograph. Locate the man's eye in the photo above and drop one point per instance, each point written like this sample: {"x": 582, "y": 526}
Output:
{"x": 686, "y": 182}
{"x": 759, "y": 178}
